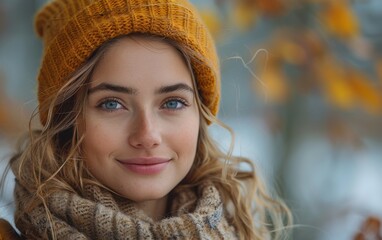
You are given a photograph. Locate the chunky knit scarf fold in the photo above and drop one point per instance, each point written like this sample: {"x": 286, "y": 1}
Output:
{"x": 99, "y": 214}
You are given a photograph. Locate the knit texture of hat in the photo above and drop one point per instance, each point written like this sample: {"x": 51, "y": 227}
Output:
{"x": 72, "y": 29}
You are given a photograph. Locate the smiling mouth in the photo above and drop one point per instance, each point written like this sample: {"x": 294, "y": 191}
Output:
{"x": 145, "y": 166}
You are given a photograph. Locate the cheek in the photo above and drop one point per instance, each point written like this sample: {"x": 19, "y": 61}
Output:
{"x": 185, "y": 138}
{"x": 100, "y": 140}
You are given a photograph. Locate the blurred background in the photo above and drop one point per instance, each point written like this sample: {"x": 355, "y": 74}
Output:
{"x": 301, "y": 87}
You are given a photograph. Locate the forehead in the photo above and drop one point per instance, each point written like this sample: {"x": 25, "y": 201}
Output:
{"x": 142, "y": 61}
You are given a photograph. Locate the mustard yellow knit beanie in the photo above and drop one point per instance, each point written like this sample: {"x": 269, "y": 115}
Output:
{"x": 72, "y": 29}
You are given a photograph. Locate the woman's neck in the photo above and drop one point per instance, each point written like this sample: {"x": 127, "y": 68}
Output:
{"x": 155, "y": 209}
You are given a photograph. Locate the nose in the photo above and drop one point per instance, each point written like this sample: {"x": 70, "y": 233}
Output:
{"x": 145, "y": 133}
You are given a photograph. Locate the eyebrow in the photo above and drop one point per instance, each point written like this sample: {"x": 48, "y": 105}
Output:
{"x": 113, "y": 87}
{"x": 173, "y": 88}
{"x": 132, "y": 91}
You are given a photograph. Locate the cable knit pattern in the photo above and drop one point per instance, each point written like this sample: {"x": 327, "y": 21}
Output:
{"x": 73, "y": 29}
{"x": 100, "y": 214}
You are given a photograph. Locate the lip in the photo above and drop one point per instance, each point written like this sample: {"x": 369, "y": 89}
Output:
{"x": 145, "y": 165}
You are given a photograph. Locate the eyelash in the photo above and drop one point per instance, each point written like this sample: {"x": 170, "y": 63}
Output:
{"x": 107, "y": 100}
{"x": 182, "y": 101}
{"x": 178, "y": 100}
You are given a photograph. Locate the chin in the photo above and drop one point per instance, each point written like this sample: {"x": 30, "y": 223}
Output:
{"x": 146, "y": 196}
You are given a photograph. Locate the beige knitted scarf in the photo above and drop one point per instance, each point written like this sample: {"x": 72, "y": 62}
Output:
{"x": 99, "y": 214}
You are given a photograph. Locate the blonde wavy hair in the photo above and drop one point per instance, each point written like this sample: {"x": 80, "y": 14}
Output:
{"x": 50, "y": 158}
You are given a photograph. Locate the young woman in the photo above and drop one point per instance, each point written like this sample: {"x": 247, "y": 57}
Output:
{"x": 127, "y": 90}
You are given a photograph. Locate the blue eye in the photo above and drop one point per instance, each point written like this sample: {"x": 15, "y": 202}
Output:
{"x": 110, "y": 105}
{"x": 174, "y": 104}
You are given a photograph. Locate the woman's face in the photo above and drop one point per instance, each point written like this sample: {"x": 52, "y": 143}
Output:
{"x": 141, "y": 119}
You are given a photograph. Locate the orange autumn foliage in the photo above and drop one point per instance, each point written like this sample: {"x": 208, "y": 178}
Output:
{"x": 292, "y": 52}
{"x": 212, "y": 21}
{"x": 275, "y": 83}
{"x": 271, "y": 7}
{"x": 244, "y": 16}
{"x": 348, "y": 88}
{"x": 339, "y": 19}
{"x": 368, "y": 96}
{"x": 371, "y": 229}
{"x": 335, "y": 86}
